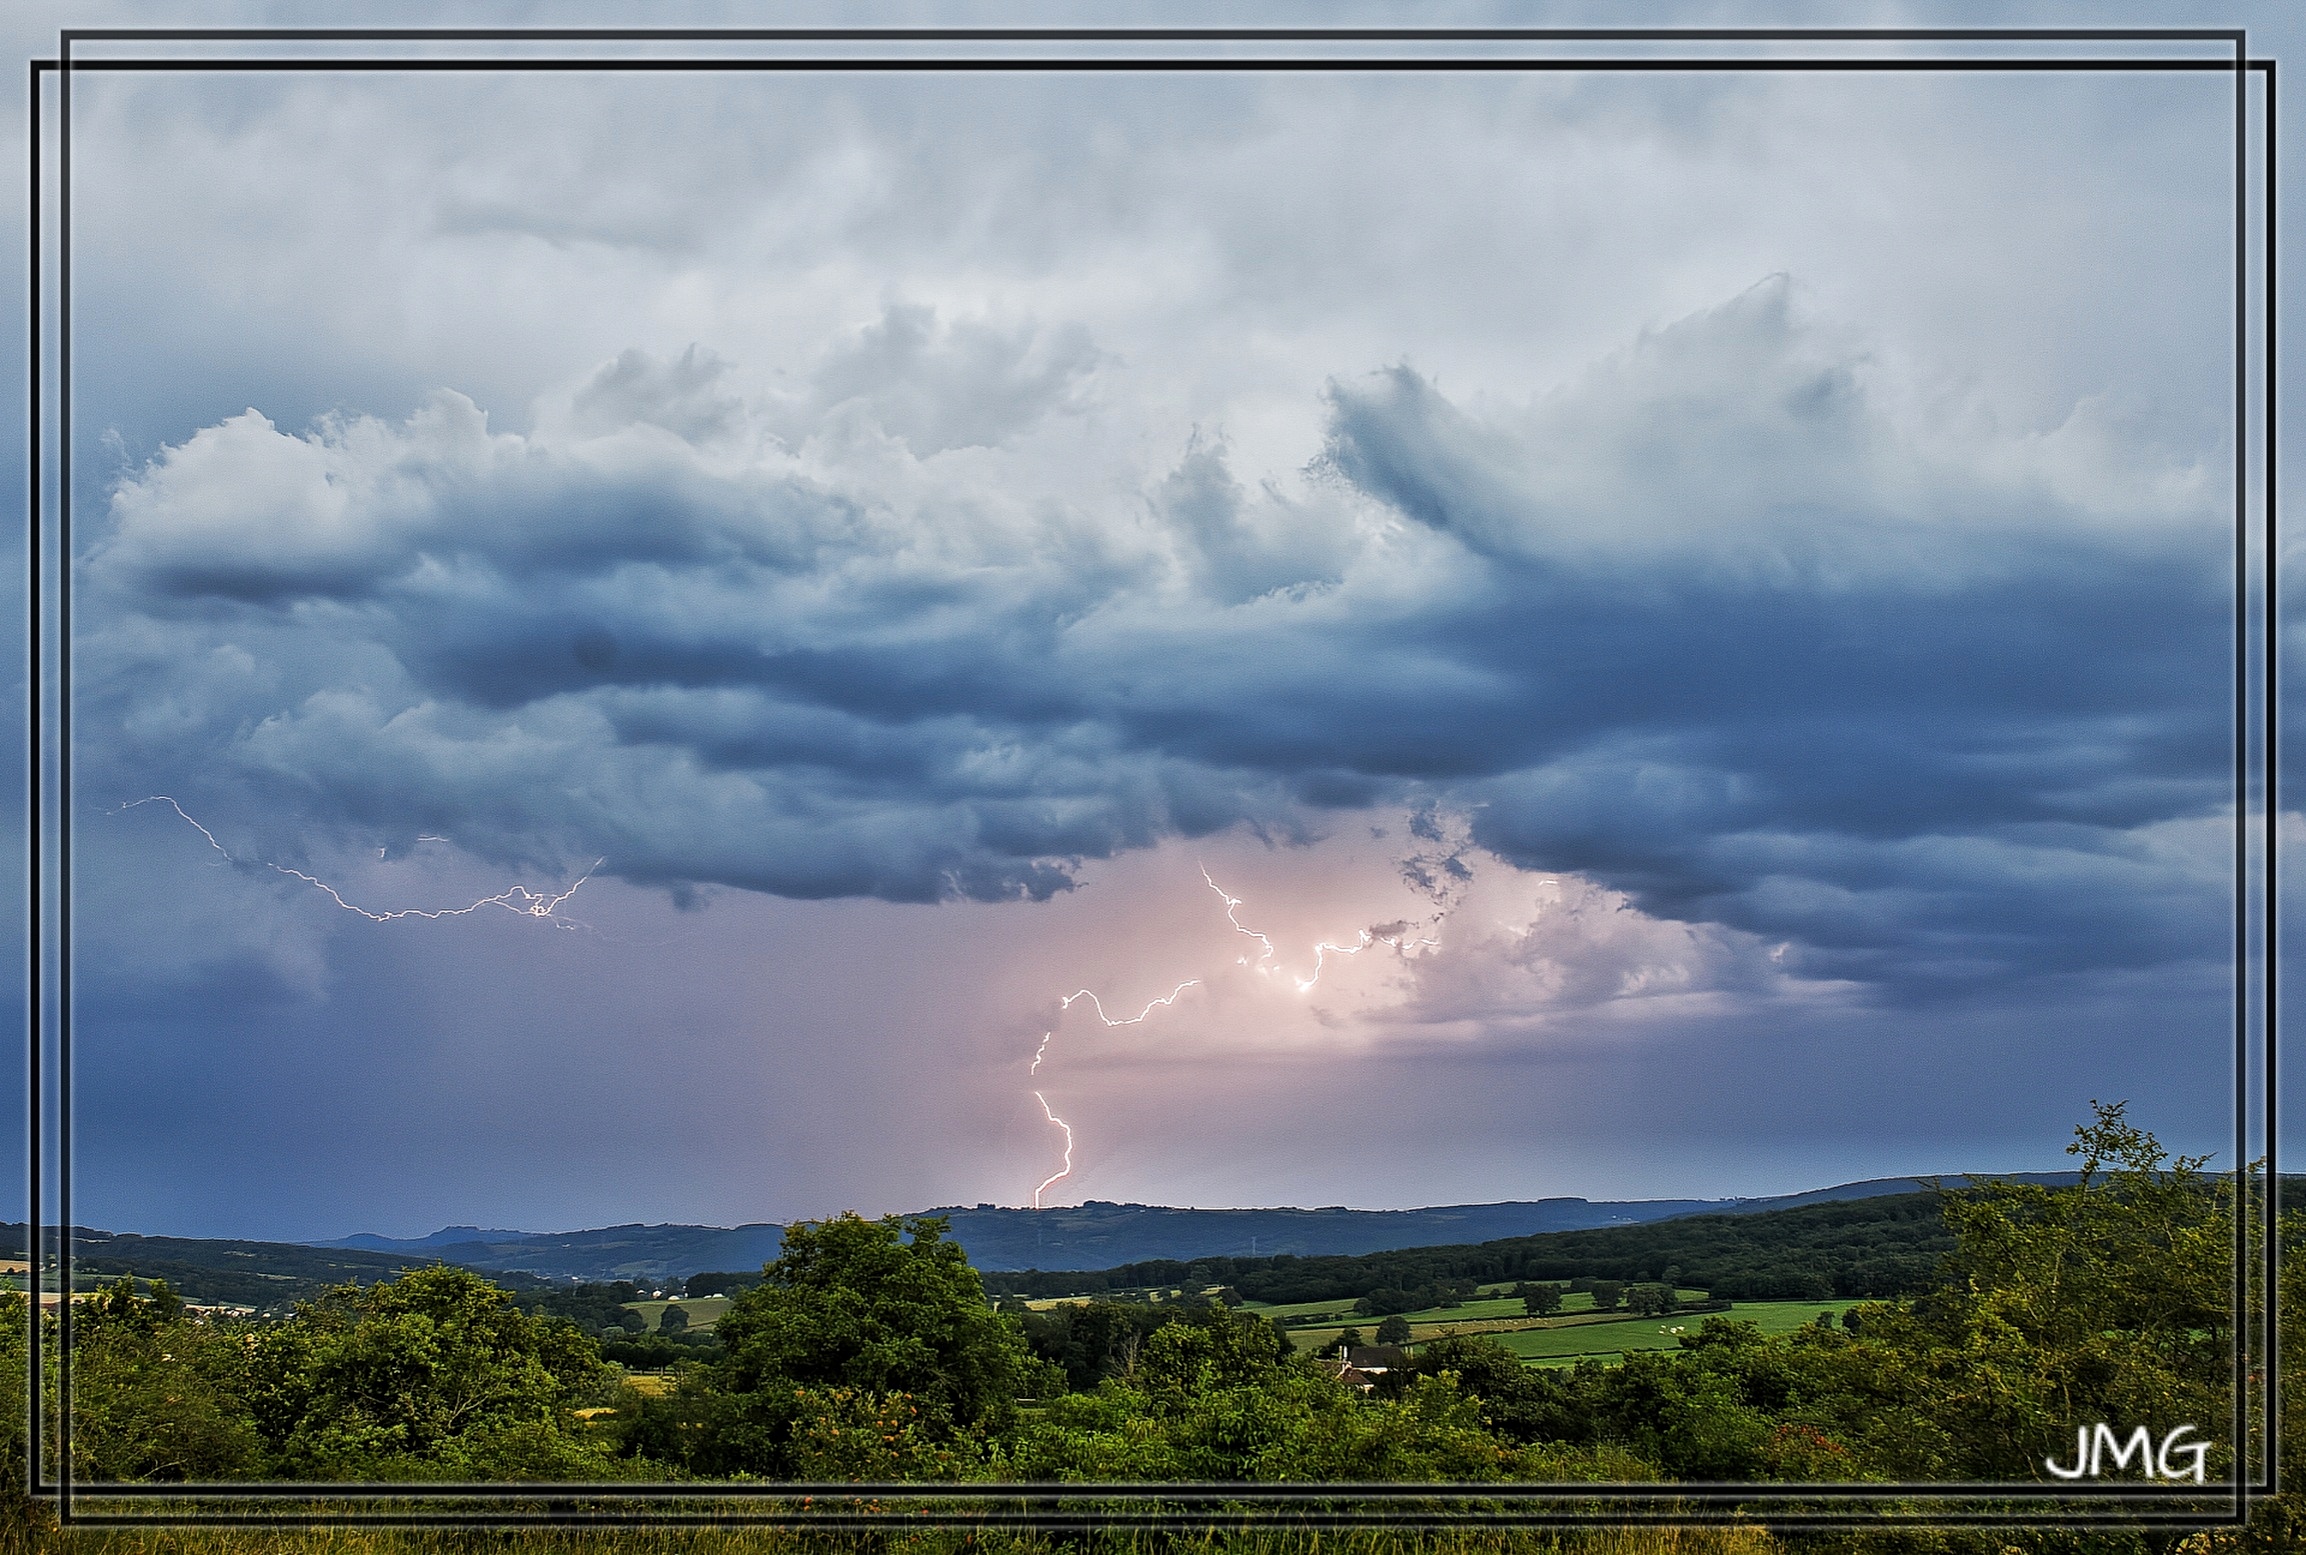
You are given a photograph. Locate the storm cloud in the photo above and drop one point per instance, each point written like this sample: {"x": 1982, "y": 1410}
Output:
{"x": 1702, "y": 624}
{"x": 1714, "y": 590}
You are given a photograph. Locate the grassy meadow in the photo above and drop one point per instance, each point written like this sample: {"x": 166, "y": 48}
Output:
{"x": 1567, "y": 1344}
{"x": 1576, "y": 1331}
{"x": 703, "y": 1311}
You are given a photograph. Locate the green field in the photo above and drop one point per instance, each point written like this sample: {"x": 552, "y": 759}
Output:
{"x": 1577, "y": 1331}
{"x": 1610, "y": 1341}
{"x": 1499, "y": 1316}
{"x": 703, "y": 1311}
{"x": 1340, "y": 1313}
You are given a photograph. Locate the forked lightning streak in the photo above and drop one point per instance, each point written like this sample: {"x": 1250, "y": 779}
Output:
{"x": 518, "y": 899}
{"x": 1321, "y": 952}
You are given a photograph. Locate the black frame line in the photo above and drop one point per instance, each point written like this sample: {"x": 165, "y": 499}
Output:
{"x": 63, "y": 781}
{"x": 564, "y": 1500}
{"x": 2271, "y": 756}
{"x": 1168, "y": 34}
{"x": 1152, "y": 1490}
{"x": 912, "y": 64}
{"x": 2240, "y": 1401}
{"x": 32, "y": 755}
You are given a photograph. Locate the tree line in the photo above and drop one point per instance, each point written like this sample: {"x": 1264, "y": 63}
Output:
{"x": 1859, "y": 1248}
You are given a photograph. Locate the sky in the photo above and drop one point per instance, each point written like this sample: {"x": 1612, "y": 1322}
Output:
{"x": 727, "y": 648}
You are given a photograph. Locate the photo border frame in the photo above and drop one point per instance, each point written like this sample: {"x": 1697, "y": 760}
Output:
{"x": 1068, "y": 1505}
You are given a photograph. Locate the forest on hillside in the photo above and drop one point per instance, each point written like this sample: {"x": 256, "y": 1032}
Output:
{"x": 1879, "y": 1247}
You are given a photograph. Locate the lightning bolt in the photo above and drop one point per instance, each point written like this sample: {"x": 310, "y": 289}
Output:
{"x": 1321, "y": 951}
{"x": 1042, "y": 1052}
{"x": 1066, "y": 1170}
{"x": 1066, "y": 1003}
{"x": 518, "y": 899}
{"x": 1232, "y": 902}
{"x": 1233, "y": 905}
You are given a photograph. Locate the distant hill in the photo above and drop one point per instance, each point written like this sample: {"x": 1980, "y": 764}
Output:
{"x": 637, "y": 1253}
{"x": 447, "y": 1236}
{"x": 272, "y": 1275}
{"x": 1096, "y": 1235}
{"x": 269, "y": 1276}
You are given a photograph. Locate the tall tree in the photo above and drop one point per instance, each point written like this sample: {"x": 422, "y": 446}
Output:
{"x": 861, "y": 1317}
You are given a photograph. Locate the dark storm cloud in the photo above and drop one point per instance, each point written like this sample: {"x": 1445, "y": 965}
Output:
{"x": 1705, "y": 626}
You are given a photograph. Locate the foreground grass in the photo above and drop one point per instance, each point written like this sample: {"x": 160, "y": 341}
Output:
{"x": 788, "y": 1541}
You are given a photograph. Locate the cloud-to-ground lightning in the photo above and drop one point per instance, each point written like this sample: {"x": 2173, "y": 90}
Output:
{"x": 1394, "y": 934}
{"x": 1042, "y": 1052}
{"x": 519, "y": 899}
{"x": 1065, "y": 1170}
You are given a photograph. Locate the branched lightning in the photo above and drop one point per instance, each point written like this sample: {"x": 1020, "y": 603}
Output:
{"x": 518, "y": 899}
{"x": 1321, "y": 951}
{"x": 1395, "y": 935}
{"x": 1042, "y": 1052}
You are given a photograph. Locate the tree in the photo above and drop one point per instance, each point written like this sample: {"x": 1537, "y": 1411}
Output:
{"x": 1540, "y": 1300}
{"x": 673, "y": 1321}
{"x": 1096, "y": 1340}
{"x": 1394, "y": 1330}
{"x": 1606, "y": 1295}
{"x": 439, "y": 1367}
{"x": 152, "y": 1391}
{"x": 870, "y": 1310}
{"x": 1386, "y": 1300}
{"x": 1649, "y": 1300}
{"x": 2110, "y": 1301}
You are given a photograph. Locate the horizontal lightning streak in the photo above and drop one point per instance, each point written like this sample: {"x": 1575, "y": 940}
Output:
{"x": 1322, "y": 950}
{"x": 519, "y": 899}
{"x": 1066, "y": 1003}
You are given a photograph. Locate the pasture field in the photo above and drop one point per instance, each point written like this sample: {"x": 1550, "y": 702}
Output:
{"x": 1566, "y": 1345}
{"x": 703, "y": 1311}
{"x": 1578, "y": 1331}
{"x": 1498, "y": 1317}
{"x": 1480, "y": 1309}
